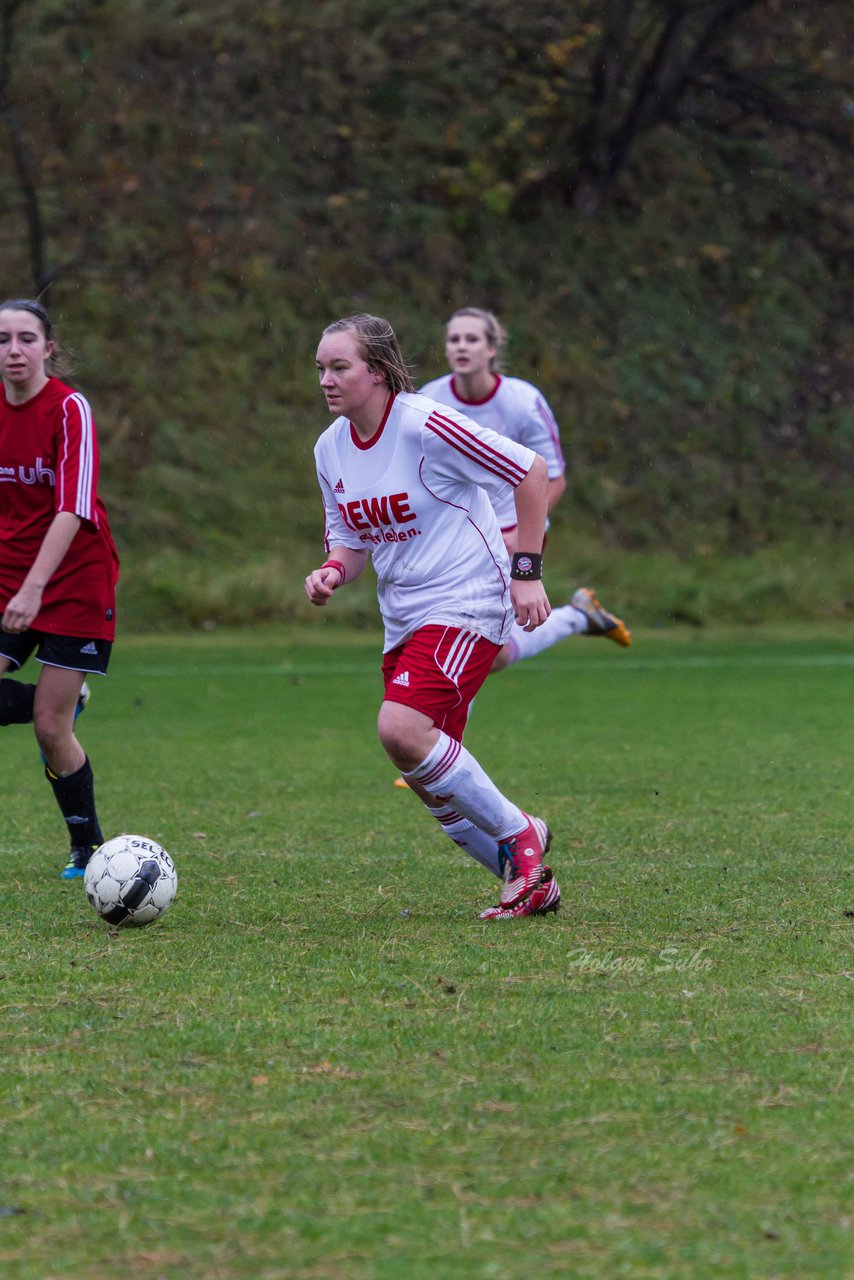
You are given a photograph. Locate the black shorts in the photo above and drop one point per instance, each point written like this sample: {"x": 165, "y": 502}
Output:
{"x": 74, "y": 653}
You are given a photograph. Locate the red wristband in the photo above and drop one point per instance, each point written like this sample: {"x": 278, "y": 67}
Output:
{"x": 336, "y": 564}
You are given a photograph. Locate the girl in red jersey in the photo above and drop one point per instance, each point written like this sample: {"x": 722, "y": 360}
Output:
{"x": 404, "y": 483}
{"x": 58, "y": 563}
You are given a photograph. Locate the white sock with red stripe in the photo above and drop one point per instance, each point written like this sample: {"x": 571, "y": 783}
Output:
{"x": 477, "y": 844}
{"x": 453, "y": 777}
{"x": 559, "y": 625}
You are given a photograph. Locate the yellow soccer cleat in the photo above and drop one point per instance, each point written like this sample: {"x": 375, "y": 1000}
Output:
{"x": 602, "y": 623}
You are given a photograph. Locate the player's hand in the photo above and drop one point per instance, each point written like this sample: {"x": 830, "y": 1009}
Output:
{"x": 22, "y": 609}
{"x": 320, "y": 584}
{"x": 530, "y": 603}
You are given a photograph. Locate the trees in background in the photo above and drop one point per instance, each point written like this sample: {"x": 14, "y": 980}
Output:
{"x": 657, "y": 196}
{"x": 491, "y": 107}
{"x": 22, "y": 164}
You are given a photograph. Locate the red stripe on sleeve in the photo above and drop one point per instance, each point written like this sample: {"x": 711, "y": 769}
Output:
{"x": 456, "y": 435}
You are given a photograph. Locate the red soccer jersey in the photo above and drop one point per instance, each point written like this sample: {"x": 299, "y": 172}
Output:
{"x": 48, "y": 464}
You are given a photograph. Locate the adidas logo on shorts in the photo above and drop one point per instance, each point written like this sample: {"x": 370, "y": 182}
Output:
{"x": 403, "y": 679}
{"x": 91, "y": 647}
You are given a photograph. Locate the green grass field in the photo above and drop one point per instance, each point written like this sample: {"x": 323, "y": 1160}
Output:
{"x": 321, "y": 1064}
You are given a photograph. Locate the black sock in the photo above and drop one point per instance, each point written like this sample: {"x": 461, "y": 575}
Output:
{"x": 16, "y": 701}
{"x": 75, "y": 795}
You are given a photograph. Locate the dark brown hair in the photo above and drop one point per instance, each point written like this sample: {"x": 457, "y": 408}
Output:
{"x": 60, "y": 361}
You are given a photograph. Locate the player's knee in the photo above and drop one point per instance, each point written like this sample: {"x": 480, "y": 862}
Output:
{"x": 391, "y": 727}
{"x": 52, "y": 729}
{"x": 402, "y": 733}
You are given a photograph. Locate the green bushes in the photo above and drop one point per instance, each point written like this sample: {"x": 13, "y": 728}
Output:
{"x": 216, "y": 188}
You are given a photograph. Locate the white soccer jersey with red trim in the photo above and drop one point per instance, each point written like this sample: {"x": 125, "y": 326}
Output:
{"x": 48, "y": 464}
{"x": 415, "y": 496}
{"x": 514, "y": 409}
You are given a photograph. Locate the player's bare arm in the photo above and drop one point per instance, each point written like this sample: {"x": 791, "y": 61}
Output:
{"x": 530, "y": 604}
{"x": 25, "y": 605}
{"x": 531, "y": 498}
{"x": 528, "y": 595}
{"x": 343, "y": 564}
{"x": 557, "y": 488}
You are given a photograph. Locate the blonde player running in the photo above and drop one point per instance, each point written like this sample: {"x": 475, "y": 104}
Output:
{"x": 515, "y": 409}
{"x": 405, "y": 482}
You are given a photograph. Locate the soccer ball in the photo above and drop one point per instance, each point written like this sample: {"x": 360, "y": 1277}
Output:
{"x": 130, "y": 881}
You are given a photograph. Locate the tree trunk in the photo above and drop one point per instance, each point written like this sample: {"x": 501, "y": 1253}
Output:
{"x": 23, "y": 163}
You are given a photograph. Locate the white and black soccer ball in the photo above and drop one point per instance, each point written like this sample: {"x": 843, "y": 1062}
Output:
{"x": 130, "y": 880}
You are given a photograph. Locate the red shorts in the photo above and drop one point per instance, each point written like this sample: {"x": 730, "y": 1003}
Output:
{"x": 438, "y": 671}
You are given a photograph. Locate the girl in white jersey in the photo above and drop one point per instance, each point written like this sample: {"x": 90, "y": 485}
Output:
{"x": 405, "y": 481}
{"x": 516, "y": 409}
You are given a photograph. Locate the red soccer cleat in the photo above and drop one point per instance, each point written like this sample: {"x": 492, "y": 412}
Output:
{"x": 542, "y": 899}
{"x": 521, "y": 860}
